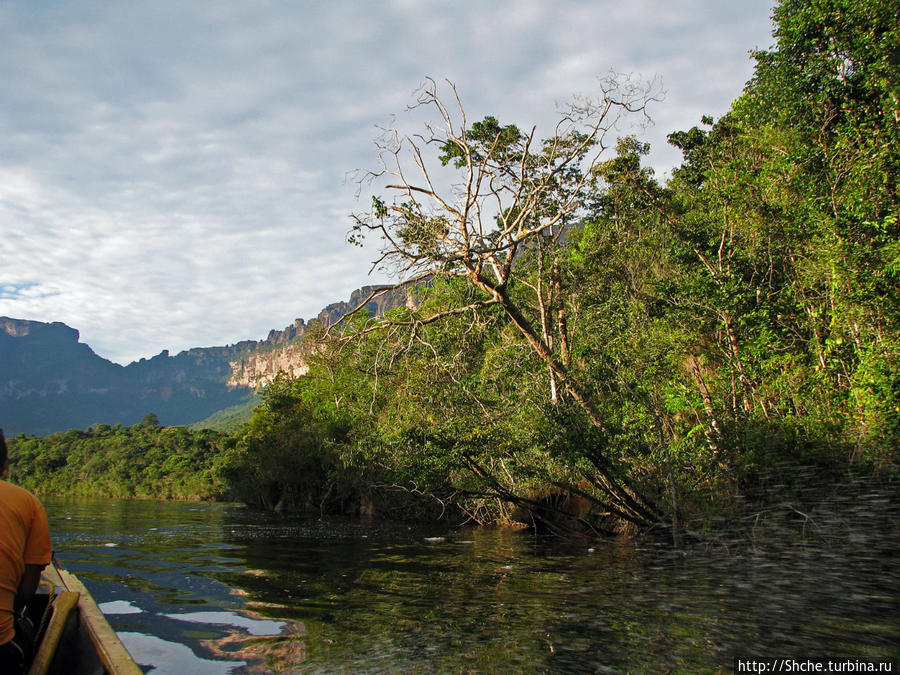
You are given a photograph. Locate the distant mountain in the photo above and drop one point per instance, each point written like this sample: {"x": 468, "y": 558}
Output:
{"x": 49, "y": 381}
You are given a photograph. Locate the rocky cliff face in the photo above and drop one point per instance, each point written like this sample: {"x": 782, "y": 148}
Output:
{"x": 49, "y": 381}
{"x": 376, "y": 307}
{"x": 22, "y": 327}
{"x": 282, "y": 350}
{"x": 259, "y": 368}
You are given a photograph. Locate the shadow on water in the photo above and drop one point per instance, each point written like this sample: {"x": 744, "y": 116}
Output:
{"x": 215, "y": 588}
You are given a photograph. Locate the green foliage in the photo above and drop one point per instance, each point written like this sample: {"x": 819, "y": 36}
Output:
{"x": 789, "y": 224}
{"x": 283, "y": 457}
{"x": 490, "y": 141}
{"x": 145, "y": 460}
{"x": 229, "y": 419}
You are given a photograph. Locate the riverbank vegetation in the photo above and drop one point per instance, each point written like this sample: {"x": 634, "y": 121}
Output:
{"x": 587, "y": 347}
{"x": 144, "y": 461}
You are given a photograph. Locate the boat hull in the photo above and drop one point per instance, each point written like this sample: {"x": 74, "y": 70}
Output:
{"x": 76, "y": 638}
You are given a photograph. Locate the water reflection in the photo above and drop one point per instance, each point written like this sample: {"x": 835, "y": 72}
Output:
{"x": 119, "y": 607}
{"x": 193, "y": 585}
{"x": 249, "y": 624}
{"x": 170, "y": 657}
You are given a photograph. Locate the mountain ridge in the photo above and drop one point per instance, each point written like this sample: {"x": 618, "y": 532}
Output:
{"x": 50, "y": 381}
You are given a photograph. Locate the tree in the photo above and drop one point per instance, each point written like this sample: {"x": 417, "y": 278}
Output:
{"x": 491, "y": 205}
{"x": 790, "y": 219}
{"x": 835, "y": 77}
{"x": 150, "y": 420}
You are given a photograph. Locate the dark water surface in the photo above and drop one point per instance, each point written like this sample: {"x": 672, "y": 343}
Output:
{"x": 214, "y": 588}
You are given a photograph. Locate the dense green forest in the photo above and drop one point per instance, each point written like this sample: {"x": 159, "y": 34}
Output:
{"x": 592, "y": 348}
{"x": 145, "y": 460}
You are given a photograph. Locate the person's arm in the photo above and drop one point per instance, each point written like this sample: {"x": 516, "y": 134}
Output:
{"x": 27, "y": 587}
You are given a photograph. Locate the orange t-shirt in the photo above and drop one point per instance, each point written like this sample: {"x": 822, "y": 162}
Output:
{"x": 24, "y": 540}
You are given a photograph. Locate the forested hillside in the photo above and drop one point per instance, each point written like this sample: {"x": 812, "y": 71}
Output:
{"x": 596, "y": 349}
{"x": 631, "y": 351}
{"x": 145, "y": 460}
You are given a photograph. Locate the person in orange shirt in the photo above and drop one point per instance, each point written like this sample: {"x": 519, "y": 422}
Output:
{"x": 24, "y": 552}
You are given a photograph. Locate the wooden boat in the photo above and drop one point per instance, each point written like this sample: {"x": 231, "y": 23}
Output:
{"x": 75, "y": 637}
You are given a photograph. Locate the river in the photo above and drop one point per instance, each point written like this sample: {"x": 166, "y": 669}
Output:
{"x": 217, "y": 588}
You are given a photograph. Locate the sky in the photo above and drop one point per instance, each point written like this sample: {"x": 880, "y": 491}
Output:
{"x": 179, "y": 174}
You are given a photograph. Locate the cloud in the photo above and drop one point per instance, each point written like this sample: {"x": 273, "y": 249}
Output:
{"x": 175, "y": 174}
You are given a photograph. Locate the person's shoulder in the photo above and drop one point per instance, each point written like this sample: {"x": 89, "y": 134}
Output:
{"x": 10, "y": 491}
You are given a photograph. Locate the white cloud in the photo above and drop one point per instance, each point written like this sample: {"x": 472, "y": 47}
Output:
{"x": 173, "y": 174}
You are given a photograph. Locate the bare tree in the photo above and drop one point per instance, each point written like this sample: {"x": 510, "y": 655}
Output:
{"x": 467, "y": 202}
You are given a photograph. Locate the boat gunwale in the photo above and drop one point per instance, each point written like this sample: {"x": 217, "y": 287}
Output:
{"x": 108, "y": 646}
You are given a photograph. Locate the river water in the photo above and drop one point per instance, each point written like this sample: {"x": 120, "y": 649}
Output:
{"x": 217, "y": 588}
